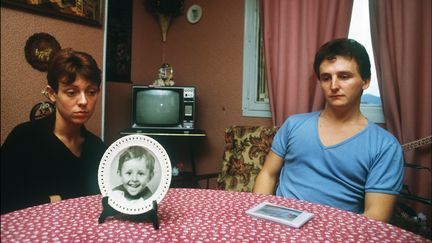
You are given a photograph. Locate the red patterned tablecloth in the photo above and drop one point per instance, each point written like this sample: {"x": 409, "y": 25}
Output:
{"x": 194, "y": 215}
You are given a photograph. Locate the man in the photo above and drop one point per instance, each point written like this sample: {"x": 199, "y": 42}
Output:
{"x": 336, "y": 156}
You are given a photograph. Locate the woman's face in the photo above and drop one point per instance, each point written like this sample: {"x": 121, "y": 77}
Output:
{"x": 135, "y": 176}
{"x": 76, "y": 102}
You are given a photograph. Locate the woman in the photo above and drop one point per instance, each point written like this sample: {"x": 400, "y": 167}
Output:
{"x": 56, "y": 157}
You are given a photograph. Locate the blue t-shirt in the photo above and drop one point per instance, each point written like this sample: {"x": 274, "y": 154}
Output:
{"x": 337, "y": 175}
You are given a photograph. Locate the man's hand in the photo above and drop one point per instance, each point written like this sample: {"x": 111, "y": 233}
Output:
{"x": 55, "y": 198}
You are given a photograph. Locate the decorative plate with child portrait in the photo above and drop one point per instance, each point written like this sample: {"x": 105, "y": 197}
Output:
{"x": 134, "y": 171}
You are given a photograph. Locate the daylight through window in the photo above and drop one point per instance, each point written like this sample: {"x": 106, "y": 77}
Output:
{"x": 255, "y": 93}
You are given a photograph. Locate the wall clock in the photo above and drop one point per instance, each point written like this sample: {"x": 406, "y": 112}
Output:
{"x": 194, "y": 14}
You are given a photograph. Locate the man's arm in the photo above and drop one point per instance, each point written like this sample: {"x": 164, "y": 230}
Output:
{"x": 266, "y": 180}
{"x": 379, "y": 206}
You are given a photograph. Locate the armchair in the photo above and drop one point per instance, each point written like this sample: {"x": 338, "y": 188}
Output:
{"x": 404, "y": 215}
{"x": 246, "y": 148}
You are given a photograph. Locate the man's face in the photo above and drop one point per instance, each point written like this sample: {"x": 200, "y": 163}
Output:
{"x": 76, "y": 102}
{"x": 341, "y": 82}
{"x": 135, "y": 176}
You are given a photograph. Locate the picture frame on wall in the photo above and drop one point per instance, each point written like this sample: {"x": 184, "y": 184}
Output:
{"x": 119, "y": 41}
{"x": 87, "y": 12}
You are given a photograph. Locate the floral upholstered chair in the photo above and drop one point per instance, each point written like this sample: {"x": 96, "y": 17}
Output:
{"x": 246, "y": 148}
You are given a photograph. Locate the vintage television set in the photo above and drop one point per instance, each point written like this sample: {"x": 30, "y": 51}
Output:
{"x": 164, "y": 108}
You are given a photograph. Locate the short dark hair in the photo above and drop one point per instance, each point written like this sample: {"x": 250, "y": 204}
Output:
{"x": 344, "y": 47}
{"x": 67, "y": 64}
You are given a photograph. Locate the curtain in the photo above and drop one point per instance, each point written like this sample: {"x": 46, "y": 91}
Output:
{"x": 292, "y": 33}
{"x": 401, "y": 39}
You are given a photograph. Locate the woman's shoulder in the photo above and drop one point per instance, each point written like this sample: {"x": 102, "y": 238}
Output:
{"x": 25, "y": 126}
{"x": 26, "y": 136}
{"x": 93, "y": 140}
{"x": 29, "y": 128}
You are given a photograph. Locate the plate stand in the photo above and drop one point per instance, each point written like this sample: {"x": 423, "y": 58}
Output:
{"x": 151, "y": 215}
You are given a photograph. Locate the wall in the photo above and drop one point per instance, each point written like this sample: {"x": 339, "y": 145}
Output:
{"x": 21, "y": 84}
{"x": 207, "y": 55}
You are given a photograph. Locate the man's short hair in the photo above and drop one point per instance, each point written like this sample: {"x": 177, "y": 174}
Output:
{"x": 347, "y": 48}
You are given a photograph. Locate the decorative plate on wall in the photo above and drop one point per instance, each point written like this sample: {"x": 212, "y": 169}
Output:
{"x": 194, "y": 14}
{"x": 39, "y": 50}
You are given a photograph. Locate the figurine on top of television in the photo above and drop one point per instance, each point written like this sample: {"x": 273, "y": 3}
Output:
{"x": 165, "y": 76}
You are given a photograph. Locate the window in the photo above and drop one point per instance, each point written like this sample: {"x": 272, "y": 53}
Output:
{"x": 360, "y": 31}
{"x": 255, "y": 95}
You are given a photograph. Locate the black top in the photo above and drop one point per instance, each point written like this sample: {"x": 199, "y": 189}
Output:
{"x": 36, "y": 164}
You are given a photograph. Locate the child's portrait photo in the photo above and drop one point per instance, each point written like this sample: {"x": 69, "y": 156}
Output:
{"x": 136, "y": 174}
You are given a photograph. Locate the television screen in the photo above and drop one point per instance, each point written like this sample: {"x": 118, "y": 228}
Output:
{"x": 157, "y": 107}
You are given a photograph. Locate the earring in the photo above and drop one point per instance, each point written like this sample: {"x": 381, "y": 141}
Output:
{"x": 45, "y": 93}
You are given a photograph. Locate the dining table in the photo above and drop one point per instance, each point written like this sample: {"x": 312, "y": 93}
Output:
{"x": 194, "y": 215}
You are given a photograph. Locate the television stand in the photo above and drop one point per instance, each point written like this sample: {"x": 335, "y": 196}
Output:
{"x": 185, "y": 178}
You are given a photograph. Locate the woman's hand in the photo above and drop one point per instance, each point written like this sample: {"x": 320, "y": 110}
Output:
{"x": 55, "y": 198}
